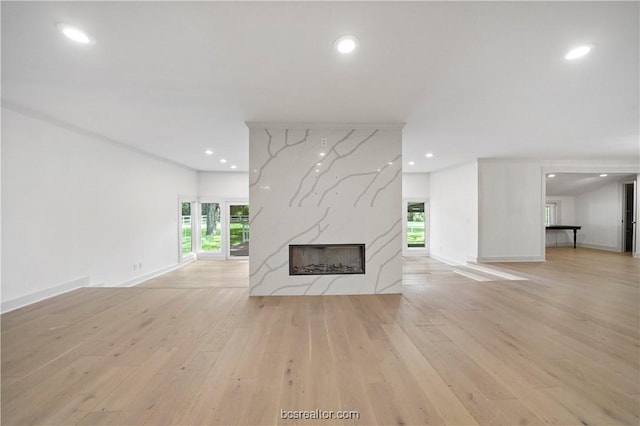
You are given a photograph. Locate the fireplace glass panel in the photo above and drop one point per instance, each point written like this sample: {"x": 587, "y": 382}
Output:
{"x": 326, "y": 259}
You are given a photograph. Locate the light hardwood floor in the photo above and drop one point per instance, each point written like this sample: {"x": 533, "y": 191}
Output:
{"x": 192, "y": 348}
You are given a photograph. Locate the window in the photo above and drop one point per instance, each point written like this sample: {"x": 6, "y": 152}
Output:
{"x": 550, "y": 214}
{"x": 416, "y": 224}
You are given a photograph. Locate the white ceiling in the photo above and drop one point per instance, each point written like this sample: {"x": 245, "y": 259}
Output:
{"x": 471, "y": 80}
{"x": 577, "y": 183}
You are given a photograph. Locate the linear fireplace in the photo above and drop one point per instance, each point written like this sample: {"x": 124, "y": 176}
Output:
{"x": 326, "y": 259}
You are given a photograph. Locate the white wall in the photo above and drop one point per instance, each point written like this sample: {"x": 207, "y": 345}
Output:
{"x": 353, "y": 197}
{"x": 224, "y": 185}
{"x": 415, "y": 186}
{"x": 565, "y": 215}
{"x": 511, "y": 221}
{"x": 77, "y": 210}
{"x": 599, "y": 212}
{"x": 454, "y": 214}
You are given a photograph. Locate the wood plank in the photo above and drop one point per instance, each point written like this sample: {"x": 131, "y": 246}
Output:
{"x": 192, "y": 348}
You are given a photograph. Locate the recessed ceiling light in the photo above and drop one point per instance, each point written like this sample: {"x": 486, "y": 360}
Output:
{"x": 322, "y": 154}
{"x": 317, "y": 170}
{"x": 411, "y": 163}
{"x": 429, "y": 154}
{"x": 75, "y": 34}
{"x": 255, "y": 171}
{"x": 234, "y": 167}
{"x": 208, "y": 152}
{"x": 390, "y": 163}
{"x": 378, "y": 170}
{"x": 346, "y": 44}
{"x": 551, "y": 175}
{"x": 578, "y": 52}
{"x": 603, "y": 175}
{"x": 222, "y": 160}
{"x": 318, "y": 164}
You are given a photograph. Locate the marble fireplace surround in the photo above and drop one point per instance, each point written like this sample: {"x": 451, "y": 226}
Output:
{"x": 325, "y": 184}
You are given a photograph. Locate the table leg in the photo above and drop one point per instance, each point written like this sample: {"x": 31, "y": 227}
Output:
{"x": 575, "y": 233}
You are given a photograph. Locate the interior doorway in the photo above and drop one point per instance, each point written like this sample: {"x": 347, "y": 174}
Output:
{"x": 628, "y": 221}
{"x": 601, "y": 204}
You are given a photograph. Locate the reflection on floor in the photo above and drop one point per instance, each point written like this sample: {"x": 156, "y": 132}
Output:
{"x": 204, "y": 274}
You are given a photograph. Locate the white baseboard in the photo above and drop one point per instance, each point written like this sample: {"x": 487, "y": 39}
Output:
{"x": 599, "y": 247}
{"x": 636, "y": 255}
{"x": 511, "y": 259}
{"x": 22, "y": 301}
{"x": 190, "y": 257}
{"x": 210, "y": 256}
{"x": 19, "y": 302}
{"x": 446, "y": 260}
{"x": 141, "y": 278}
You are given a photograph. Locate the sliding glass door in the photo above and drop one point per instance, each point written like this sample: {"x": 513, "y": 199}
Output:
{"x": 238, "y": 229}
{"x": 214, "y": 229}
{"x": 210, "y": 228}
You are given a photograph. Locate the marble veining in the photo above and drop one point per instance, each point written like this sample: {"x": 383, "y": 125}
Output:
{"x": 338, "y": 156}
{"x": 272, "y": 156}
{"x": 326, "y": 186}
{"x": 377, "y": 174}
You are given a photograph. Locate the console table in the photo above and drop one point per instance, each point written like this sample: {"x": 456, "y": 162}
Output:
{"x": 574, "y": 228}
